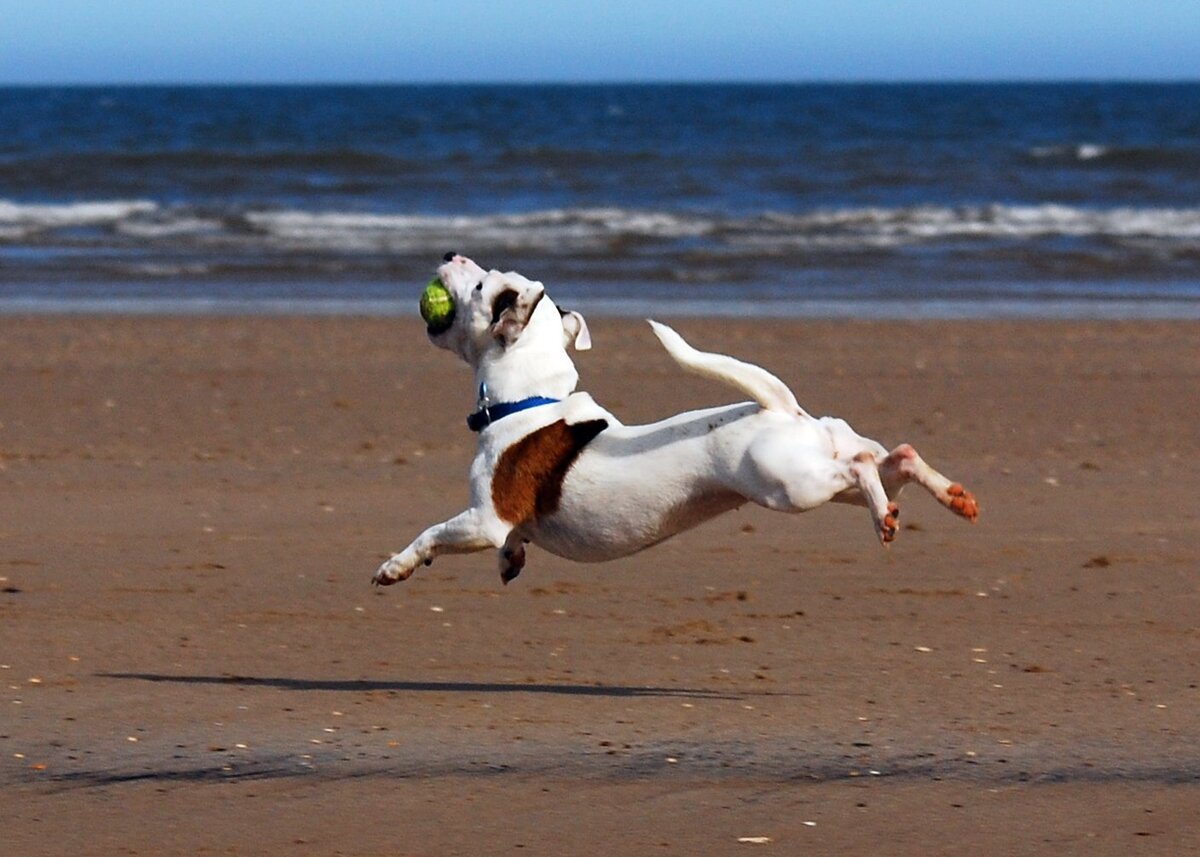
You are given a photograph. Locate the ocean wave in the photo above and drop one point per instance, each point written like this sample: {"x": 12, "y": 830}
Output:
{"x": 1080, "y": 152}
{"x": 21, "y": 218}
{"x": 231, "y": 238}
{"x": 550, "y": 229}
{"x": 566, "y": 230}
{"x": 168, "y": 226}
{"x": 1135, "y": 158}
{"x": 932, "y": 223}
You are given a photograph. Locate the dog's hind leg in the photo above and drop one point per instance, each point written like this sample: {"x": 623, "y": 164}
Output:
{"x": 805, "y": 482}
{"x": 884, "y": 513}
{"x": 903, "y": 465}
{"x": 468, "y": 532}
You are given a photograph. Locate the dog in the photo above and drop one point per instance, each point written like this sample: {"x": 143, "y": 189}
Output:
{"x": 555, "y": 469}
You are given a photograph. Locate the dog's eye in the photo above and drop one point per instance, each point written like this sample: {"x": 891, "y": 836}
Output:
{"x": 479, "y": 286}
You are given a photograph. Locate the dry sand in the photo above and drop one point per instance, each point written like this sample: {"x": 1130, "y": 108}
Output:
{"x": 193, "y": 661}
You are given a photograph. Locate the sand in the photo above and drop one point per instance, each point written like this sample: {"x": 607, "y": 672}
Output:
{"x": 193, "y": 660}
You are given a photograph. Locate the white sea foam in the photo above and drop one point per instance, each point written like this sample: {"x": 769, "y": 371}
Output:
{"x": 896, "y": 225}
{"x": 602, "y": 229}
{"x": 1080, "y": 152}
{"x": 830, "y": 229}
{"x": 570, "y": 227}
{"x": 163, "y": 227}
{"x": 57, "y": 215}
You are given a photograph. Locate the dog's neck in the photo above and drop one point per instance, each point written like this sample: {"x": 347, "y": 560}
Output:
{"x": 517, "y": 373}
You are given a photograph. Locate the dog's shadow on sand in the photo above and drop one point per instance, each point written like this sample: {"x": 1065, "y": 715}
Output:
{"x": 465, "y": 687}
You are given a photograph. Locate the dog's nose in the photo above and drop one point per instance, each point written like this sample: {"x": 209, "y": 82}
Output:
{"x": 449, "y": 257}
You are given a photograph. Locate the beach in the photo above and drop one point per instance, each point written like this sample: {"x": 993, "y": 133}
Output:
{"x": 193, "y": 659}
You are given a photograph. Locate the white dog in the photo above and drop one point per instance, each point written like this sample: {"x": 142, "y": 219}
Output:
{"x": 555, "y": 469}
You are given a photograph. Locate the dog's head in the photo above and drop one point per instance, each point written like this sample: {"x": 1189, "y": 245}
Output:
{"x": 504, "y": 311}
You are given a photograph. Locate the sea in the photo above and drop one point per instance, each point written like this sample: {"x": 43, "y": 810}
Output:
{"x": 905, "y": 200}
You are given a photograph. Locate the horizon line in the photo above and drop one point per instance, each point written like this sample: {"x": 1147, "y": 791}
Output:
{"x": 623, "y": 82}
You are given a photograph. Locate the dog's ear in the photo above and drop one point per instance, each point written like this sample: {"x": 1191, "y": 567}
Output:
{"x": 507, "y": 322}
{"x": 513, "y": 307}
{"x": 575, "y": 331}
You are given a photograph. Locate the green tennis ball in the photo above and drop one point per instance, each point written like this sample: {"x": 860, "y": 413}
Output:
{"x": 437, "y": 307}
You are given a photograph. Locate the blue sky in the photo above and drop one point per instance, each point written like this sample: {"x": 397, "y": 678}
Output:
{"x": 157, "y": 41}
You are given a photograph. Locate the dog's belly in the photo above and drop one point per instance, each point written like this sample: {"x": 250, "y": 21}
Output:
{"x": 634, "y": 486}
{"x": 587, "y": 531}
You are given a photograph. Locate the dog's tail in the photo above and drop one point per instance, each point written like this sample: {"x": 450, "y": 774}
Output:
{"x": 756, "y": 382}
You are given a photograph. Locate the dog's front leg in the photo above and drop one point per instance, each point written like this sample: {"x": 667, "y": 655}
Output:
{"x": 470, "y": 531}
{"x": 512, "y": 557}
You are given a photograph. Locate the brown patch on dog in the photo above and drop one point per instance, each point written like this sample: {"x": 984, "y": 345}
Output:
{"x": 528, "y": 480}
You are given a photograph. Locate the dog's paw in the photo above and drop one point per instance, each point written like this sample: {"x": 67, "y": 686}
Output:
{"x": 392, "y": 571}
{"x": 512, "y": 560}
{"x": 962, "y": 502}
{"x": 890, "y": 525}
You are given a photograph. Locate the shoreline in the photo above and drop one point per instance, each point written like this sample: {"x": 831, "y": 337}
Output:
{"x": 872, "y": 309}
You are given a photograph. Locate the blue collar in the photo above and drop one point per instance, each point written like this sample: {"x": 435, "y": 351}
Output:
{"x": 489, "y": 413}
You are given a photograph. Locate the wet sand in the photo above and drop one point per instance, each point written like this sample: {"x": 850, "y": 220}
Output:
{"x": 193, "y": 660}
